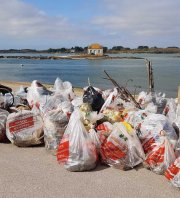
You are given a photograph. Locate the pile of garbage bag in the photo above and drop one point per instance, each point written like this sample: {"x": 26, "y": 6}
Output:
{"x": 100, "y": 126}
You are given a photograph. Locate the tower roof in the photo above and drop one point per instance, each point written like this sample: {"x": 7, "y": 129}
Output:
{"x": 95, "y": 46}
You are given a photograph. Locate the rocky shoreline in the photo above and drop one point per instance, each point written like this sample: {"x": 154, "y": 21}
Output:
{"x": 77, "y": 57}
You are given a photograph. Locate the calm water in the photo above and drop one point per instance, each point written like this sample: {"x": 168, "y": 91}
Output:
{"x": 166, "y": 71}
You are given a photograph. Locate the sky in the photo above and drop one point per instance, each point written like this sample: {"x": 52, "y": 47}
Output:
{"x": 43, "y": 24}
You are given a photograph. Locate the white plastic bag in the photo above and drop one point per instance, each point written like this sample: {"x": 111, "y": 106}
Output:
{"x": 56, "y": 113}
{"x": 37, "y": 94}
{"x": 3, "y": 118}
{"x": 106, "y": 93}
{"x": 170, "y": 110}
{"x": 21, "y": 93}
{"x": 20, "y": 97}
{"x": 173, "y": 173}
{"x": 177, "y": 148}
{"x": 55, "y": 122}
{"x": 136, "y": 117}
{"x": 64, "y": 88}
{"x": 151, "y": 107}
{"x": 150, "y": 128}
{"x": 160, "y": 101}
{"x": 161, "y": 157}
{"x": 122, "y": 149}
{"x": 1, "y": 100}
{"x": 52, "y": 103}
{"x": 144, "y": 98}
{"x": 109, "y": 99}
{"x": 93, "y": 116}
{"x": 176, "y": 180}
{"x": 77, "y": 151}
{"x": 24, "y": 128}
{"x": 104, "y": 129}
{"x": 77, "y": 101}
{"x": 95, "y": 138}
{"x": 177, "y": 124}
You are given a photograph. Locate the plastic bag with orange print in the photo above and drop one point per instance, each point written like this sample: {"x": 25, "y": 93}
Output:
{"x": 76, "y": 151}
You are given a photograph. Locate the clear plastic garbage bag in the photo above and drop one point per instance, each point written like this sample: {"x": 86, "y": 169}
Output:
{"x": 173, "y": 173}
{"x": 161, "y": 157}
{"x": 77, "y": 152}
{"x": 24, "y": 128}
{"x": 55, "y": 122}
{"x": 122, "y": 149}
{"x": 3, "y": 118}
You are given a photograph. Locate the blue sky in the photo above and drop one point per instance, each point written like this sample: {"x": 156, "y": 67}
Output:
{"x": 42, "y": 24}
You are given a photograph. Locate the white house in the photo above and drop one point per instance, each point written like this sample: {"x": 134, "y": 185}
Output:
{"x": 95, "y": 49}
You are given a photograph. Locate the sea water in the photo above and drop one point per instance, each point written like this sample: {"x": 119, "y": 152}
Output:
{"x": 127, "y": 72}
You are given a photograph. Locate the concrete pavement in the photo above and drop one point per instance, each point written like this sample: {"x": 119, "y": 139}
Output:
{"x": 32, "y": 172}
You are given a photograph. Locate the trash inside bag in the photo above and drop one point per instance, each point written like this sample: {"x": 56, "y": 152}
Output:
{"x": 122, "y": 149}
{"x": 112, "y": 115}
{"x": 55, "y": 122}
{"x": 149, "y": 130}
{"x": 89, "y": 117}
{"x": 52, "y": 103}
{"x": 161, "y": 157}
{"x": 135, "y": 117}
{"x": 105, "y": 128}
{"x": 77, "y": 152}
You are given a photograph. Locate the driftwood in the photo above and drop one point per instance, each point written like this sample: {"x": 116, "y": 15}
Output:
{"x": 124, "y": 92}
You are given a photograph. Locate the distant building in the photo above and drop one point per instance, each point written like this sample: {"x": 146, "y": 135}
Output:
{"x": 72, "y": 50}
{"x": 95, "y": 49}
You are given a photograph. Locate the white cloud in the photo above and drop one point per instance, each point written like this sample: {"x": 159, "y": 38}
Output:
{"x": 21, "y": 20}
{"x": 137, "y": 18}
{"x": 127, "y": 22}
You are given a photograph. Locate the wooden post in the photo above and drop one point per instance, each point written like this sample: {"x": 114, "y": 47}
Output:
{"x": 150, "y": 76}
{"x": 179, "y": 95}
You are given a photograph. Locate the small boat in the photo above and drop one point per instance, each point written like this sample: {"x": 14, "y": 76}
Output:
{"x": 21, "y": 65}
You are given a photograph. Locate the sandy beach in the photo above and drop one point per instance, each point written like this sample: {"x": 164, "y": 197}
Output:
{"x": 32, "y": 172}
{"x": 15, "y": 86}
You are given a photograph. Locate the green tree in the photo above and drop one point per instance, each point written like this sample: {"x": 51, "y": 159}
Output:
{"x": 105, "y": 49}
